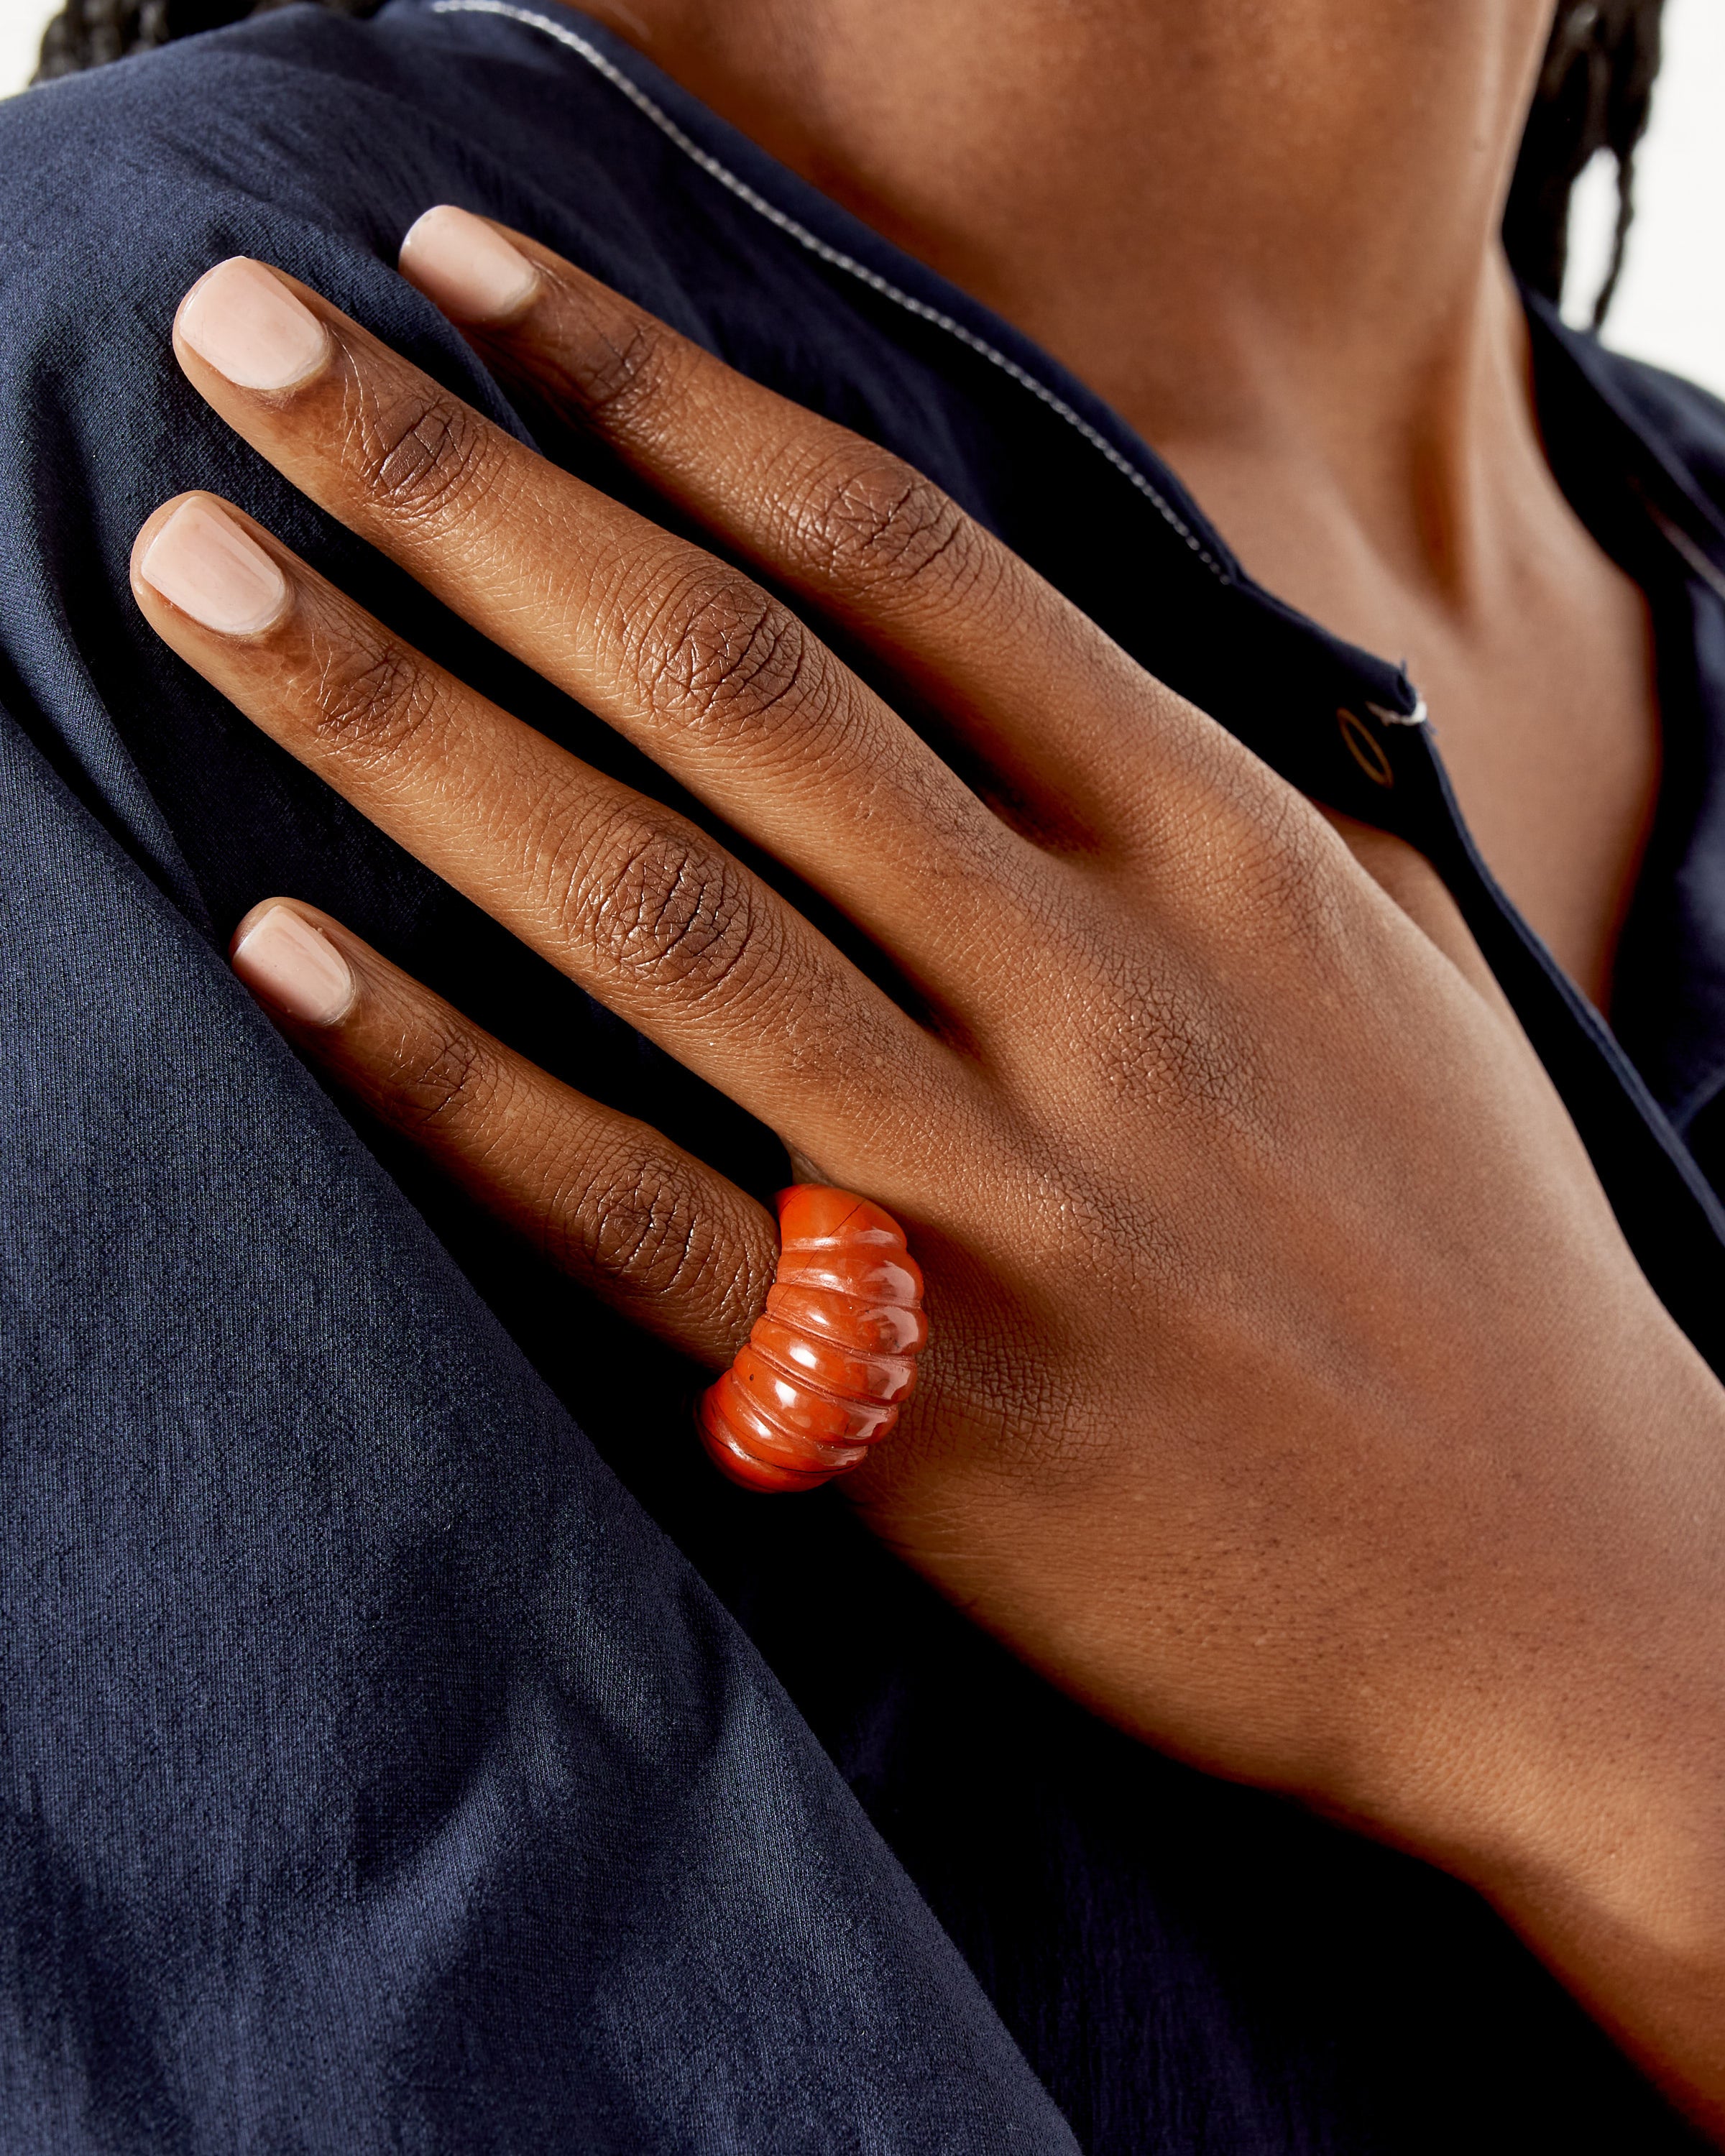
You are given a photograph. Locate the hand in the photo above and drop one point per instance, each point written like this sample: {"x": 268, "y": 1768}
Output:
{"x": 1293, "y": 1399}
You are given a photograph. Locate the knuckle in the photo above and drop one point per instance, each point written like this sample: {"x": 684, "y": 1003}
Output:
{"x": 1265, "y": 854}
{"x": 869, "y": 518}
{"x": 653, "y": 1231}
{"x": 644, "y": 1225}
{"x": 1285, "y": 870}
{"x": 371, "y": 697}
{"x": 1175, "y": 1038}
{"x": 417, "y": 450}
{"x": 663, "y": 906}
{"x": 740, "y": 1274}
{"x": 646, "y": 1232}
{"x": 441, "y": 1074}
{"x": 621, "y": 371}
{"x": 719, "y": 653}
{"x": 1147, "y": 1022}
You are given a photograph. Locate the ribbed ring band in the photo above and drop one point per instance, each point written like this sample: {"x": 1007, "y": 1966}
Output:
{"x": 834, "y": 1356}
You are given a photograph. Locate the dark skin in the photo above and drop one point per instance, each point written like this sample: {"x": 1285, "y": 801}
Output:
{"x": 1265, "y": 231}
{"x": 1401, "y": 1492}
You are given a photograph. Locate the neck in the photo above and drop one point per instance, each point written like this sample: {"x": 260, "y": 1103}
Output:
{"x": 1248, "y": 224}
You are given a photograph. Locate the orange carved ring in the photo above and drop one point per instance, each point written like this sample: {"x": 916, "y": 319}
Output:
{"x": 833, "y": 1360}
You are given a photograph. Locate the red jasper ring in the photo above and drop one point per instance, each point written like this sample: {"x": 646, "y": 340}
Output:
{"x": 833, "y": 1360}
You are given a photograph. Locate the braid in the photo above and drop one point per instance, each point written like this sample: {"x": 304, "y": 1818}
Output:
{"x": 88, "y": 34}
{"x": 1594, "y": 93}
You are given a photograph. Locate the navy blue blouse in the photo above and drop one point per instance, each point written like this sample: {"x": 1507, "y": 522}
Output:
{"x": 406, "y": 1744}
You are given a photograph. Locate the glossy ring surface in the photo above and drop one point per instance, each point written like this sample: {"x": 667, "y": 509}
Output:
{"x": 832, "y": 1359}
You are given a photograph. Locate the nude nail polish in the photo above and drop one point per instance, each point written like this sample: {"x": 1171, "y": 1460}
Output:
{"x": 201, "y": 562}
{"x": 466, "y": 269}
{"x": 285, "y": 962}
{"x": 249, "y": 326}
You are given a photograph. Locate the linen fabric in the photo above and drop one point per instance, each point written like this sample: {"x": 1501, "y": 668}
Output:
{"x": 409, "y": 1744}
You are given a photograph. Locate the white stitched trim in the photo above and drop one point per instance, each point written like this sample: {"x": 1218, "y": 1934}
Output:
{"x": 805, "y": 239}
{"x": 1699, "y": 563}
{"x": 1416, "y": 718}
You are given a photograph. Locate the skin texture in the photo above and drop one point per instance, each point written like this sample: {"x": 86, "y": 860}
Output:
{"x": 1402, "y": 1493}
{"x": 1265, "y": 231}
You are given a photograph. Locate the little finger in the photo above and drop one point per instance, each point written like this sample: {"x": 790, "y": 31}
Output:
{"x": 654, "y": 1232}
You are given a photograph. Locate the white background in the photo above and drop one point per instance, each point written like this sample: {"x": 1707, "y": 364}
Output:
{"x": 1671, "y": 306}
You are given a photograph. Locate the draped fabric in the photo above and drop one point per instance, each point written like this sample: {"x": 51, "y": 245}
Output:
{"x": 407, "y": 1745}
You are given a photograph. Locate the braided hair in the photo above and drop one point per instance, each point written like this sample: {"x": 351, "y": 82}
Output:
{"x": 88, "y": 34}
{"x": 1594, "y": 93}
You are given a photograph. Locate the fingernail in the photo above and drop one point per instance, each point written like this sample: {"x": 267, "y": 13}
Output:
{"x": 284, "y": 960}
{"x": 464, "y": 268}
{"x": 249, "y": 326}
{"x": 201, "y": 563}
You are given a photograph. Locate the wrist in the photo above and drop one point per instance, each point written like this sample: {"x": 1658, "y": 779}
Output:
{"x": 1570, "y": 1761}
{"x": 1624, "y": 1902}
{"x": 1602, "y": 1845}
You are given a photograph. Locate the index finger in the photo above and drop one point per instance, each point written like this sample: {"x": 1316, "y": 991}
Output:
{"x": 1007, "y": 660}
